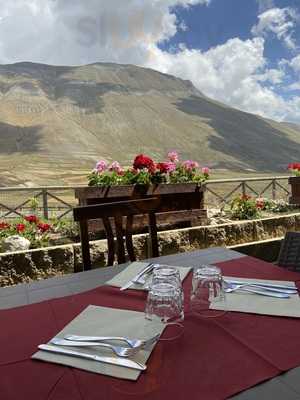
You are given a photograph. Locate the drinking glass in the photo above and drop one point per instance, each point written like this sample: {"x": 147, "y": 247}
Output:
{"x": 208, "y": 295}
{"x": 164, "y": 305}
{"x": 167, "y": 274}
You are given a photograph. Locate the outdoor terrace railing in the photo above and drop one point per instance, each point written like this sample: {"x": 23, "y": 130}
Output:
{"x": 50, "y": 201}
{"x": 220, "y": 192}
{"x": 58, "y": 201}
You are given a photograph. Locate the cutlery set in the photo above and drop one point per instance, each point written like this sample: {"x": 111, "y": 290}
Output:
{"x": 264, "y": 289}
{"x": 123, "y": 362}
{"x": 135, "y": 345}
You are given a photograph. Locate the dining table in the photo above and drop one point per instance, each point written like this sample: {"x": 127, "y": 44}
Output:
{"x": 240, "y": 356}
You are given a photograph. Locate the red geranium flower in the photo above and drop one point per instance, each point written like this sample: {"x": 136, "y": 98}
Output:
{"x": 33, "y": 219}
{"x": 260, "y": 204}
{"x": 4, "y": 225}
{"x": 141, "y": 161}
{"x": 163, "y": 167}
{"x": 295, "y": 166}
{"x": 245, "y": 197}
{"x": 44, "y": 227}
{"x": 20, "y": 227}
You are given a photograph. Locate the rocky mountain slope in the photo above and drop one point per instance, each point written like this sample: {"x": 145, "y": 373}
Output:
{"x": 55, "y": 122}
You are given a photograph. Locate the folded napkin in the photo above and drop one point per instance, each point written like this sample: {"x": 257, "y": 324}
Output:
{"x": 103, "y": 321}
{"x": 133, "y": 269}
{"x": 257, "y": 304}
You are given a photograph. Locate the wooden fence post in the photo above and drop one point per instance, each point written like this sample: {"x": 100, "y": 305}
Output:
{"x": 274, "y": 189}
{"x": 45, "y": 203}
{"x": 244, "y": 188}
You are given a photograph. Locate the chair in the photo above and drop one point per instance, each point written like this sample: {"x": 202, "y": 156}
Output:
{"x": 289, "y": 254}
{"x": 117, "y": 211}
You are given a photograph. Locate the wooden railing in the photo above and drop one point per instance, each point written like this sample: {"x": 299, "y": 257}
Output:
{"x": 58, "y": 201}
{"x": 220, "y": 192}
{"x": 49, "y": 202}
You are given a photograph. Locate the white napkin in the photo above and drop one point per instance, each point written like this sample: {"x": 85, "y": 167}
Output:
{"x": 133, "y": 269}
{"x": 104, "y": 321}
{"x": 258, "y": 304}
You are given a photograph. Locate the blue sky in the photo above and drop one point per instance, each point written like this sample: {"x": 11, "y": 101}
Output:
{"x": 222, "y": 20}
{"x": 244, "y": 53}
{"x": 225, "y": 19}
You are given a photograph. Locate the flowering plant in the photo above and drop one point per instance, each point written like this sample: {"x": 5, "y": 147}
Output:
{"x": 30, "y": 227}
{"x": 245, "y": 207}
{"x": 144, "y": 171}
{"x": 295, "y": 168}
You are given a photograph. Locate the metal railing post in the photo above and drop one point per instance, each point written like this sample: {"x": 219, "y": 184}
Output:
{"x": 45, "y": 203}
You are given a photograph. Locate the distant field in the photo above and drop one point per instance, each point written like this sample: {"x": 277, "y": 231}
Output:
{"x": 225, "y": 174}
{"x": 33, "y": 170}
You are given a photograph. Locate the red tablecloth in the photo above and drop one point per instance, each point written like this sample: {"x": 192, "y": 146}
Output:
{"x": 214, "y": 359}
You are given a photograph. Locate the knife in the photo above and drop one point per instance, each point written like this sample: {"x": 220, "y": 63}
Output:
{"x": 145, "y": 270}
{"x": 107, "y": 360}
{"x": 266, "y": 285}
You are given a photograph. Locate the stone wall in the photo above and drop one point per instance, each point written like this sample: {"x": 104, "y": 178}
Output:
{"x": 43, "y": 263}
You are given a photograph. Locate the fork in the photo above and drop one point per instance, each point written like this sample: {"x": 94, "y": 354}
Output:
{"x": 141, "y": 280}
{"x": 118, "y": 350}
{"x": 229, "y": 288}
{"x": 133, "y": 343}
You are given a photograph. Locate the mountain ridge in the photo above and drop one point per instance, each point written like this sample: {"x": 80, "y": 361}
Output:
{"x": 56, "y": 121}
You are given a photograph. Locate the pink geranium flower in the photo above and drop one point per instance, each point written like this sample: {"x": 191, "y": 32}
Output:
{"x": 205, "y": 171}
{"x": 173, "y": 156}
{"x": 116, "y": 167}
{"x": 171, "y": 166}
{"x": 190, "y": 165}
{"x": 101, "y": 166}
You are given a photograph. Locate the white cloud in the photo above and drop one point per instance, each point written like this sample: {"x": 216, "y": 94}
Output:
{"x": 274, "y": 76}
{"x": 279, "y": 21}
{"x": 114, "y": 30}
{"x": 232, "y": 73}
{"x": 219, "y": 71}
{"x": 295, "y": 63}
{"x": 294, "y": 86}
{"x": 75, "y": 32}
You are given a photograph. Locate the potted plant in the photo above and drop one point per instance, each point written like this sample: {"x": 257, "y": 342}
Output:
{"x": 178, "y": 184}
{"x": 294, "y": 181}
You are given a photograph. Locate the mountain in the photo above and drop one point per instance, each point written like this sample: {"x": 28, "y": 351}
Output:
{"x": 292, "y": 125}
{"x": 56, "y": 121}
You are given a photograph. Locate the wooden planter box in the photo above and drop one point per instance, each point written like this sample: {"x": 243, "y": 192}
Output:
{"x": 179, "y": 202}
{"x": 295, "y": 190}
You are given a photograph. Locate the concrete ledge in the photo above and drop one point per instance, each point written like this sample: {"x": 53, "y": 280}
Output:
{"x": 259, "y": 238}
